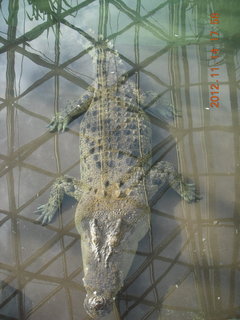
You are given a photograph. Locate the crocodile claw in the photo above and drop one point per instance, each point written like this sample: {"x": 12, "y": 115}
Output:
{"x": 58, "y": 123}
{"x": 189, "y": 193}
{"x": 169, "y": 112}
{"x": 46, "y": 214}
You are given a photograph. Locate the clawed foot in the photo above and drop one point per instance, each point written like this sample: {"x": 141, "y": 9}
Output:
{"x": 169, "y": 111}
{"x": 58, "y": 123}
{"x": 189, "y": 193}
{"x": 46, "y": 213}
{"x": 166, "y": 110}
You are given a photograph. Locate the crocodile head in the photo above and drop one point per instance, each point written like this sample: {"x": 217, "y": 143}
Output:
{"x": 109, "y": 240}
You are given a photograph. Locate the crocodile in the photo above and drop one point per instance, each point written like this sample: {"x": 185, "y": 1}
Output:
{"x": 116, "y": 182}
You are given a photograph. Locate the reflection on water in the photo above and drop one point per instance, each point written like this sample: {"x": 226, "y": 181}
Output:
{"x": 187, "y": 267}
{"x": 11, "y": 301}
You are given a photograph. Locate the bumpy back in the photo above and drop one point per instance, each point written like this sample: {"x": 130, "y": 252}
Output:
{"x": 115, "y": 134}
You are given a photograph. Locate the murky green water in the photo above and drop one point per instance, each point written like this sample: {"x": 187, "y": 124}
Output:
{"x": 187, "y": 267}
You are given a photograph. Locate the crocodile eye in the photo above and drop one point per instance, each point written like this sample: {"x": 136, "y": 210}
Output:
{"x": 97, "y": 305}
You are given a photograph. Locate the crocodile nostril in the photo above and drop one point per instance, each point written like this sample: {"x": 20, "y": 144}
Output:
{"x": 97, "y": 305}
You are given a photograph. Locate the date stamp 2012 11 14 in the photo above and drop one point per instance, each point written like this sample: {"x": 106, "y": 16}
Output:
{"x": 214, "y": 68}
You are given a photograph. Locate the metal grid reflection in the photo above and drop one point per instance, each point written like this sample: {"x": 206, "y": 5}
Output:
{"x": 25, "y": 273}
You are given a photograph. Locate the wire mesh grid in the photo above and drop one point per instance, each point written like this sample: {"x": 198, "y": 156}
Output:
{"x": 183, "y": 267}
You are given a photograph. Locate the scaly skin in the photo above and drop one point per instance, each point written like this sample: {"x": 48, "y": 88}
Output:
{"x": 116, "y": 181}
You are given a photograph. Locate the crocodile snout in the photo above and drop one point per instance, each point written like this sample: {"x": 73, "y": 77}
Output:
{"x": 97, "y": 305}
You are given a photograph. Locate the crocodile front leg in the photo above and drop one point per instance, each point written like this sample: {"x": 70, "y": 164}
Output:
{"x": 163, "y": 173}
{"x": 62, "y": 185}
{"x": 61, "y": 119}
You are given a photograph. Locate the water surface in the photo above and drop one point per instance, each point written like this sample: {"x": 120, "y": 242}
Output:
{"x": 187, "y": 266}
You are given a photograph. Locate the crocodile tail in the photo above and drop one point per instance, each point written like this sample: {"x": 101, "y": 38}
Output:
{"x": 103, "y": 45}
{"x": 107, "y": 62}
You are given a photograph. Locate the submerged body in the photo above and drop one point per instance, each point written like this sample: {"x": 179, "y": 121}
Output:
{"x": 116, "y": 181}
{"x": 113, "y": 214}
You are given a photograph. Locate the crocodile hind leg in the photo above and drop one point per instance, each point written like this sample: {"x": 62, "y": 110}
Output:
{"x": 63, "y": 185}
{"x": 74, "y": 109}
{"x": 163, "y": 173}
{"x": 167, "y": 111}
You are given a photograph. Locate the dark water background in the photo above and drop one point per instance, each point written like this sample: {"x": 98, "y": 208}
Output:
{"x": 187, "y": 267}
